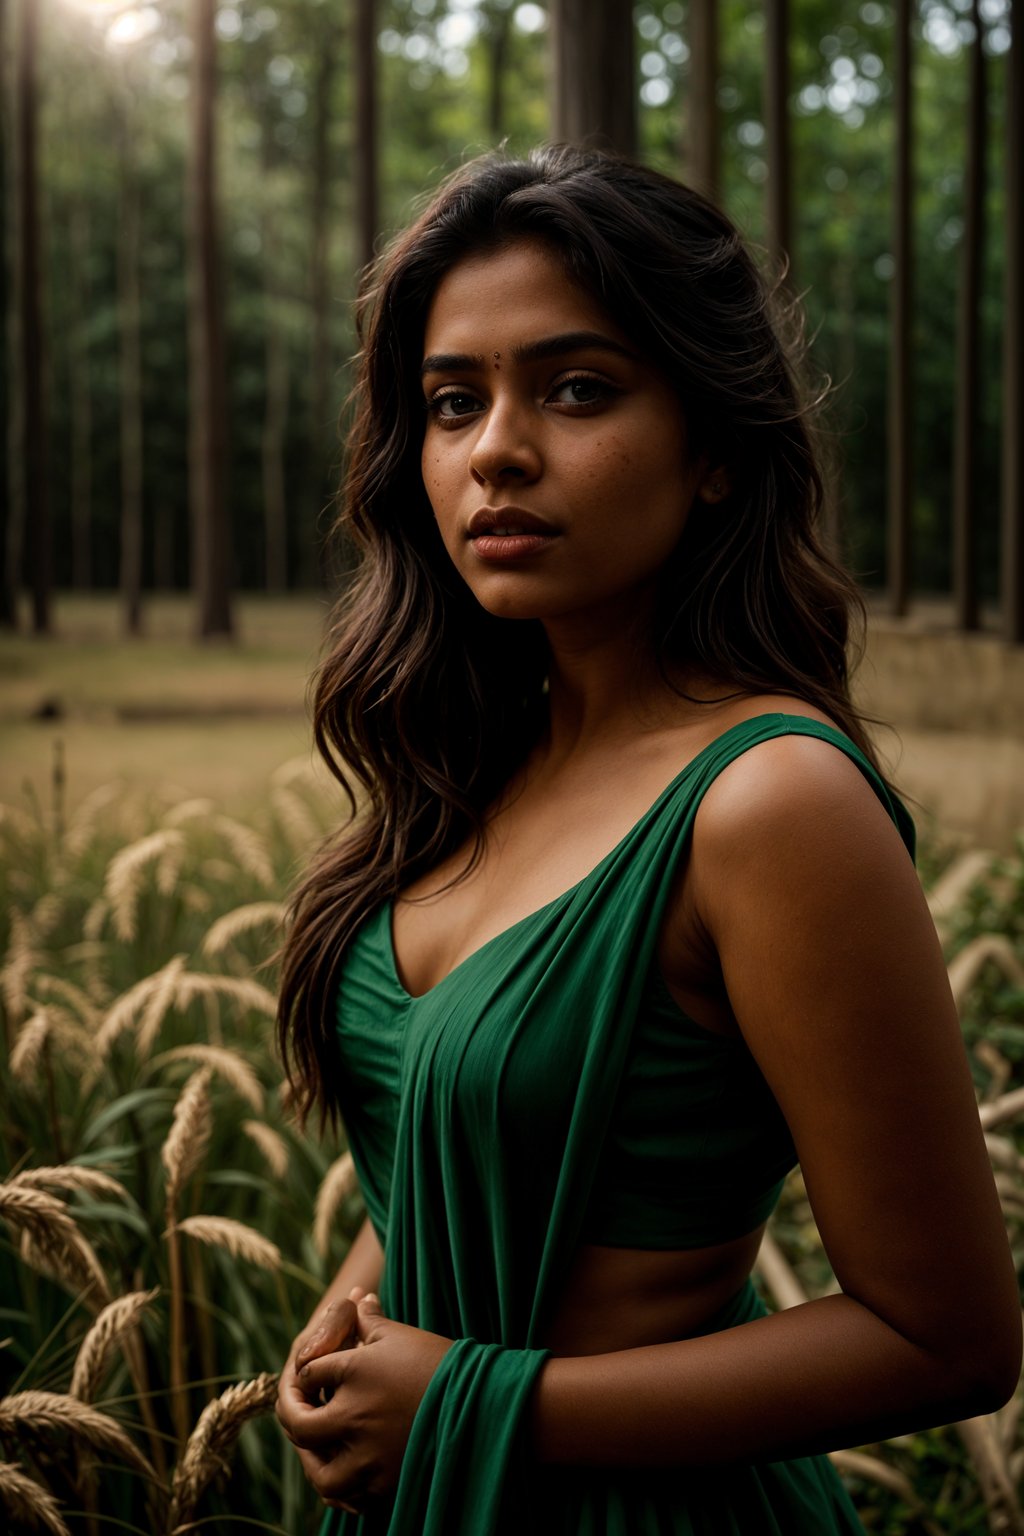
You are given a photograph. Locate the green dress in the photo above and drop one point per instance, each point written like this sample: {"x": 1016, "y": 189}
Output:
{"x": 548, "y": 1092}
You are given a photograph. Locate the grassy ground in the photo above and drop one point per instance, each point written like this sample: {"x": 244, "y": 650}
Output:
{"x": 161, "y": 711}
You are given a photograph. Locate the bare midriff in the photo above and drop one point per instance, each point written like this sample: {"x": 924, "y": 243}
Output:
{"x": 622, "y": 1298}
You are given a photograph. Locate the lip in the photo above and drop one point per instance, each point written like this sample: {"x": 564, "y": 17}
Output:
{"x": 512, "y": 521}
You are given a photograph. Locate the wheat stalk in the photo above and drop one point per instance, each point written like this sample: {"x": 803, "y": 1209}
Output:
{"x": 247, "y": 994}
{"x": 211, "y": 1441}
{"x": 76, "y": 997}
{"x": 83, "y": 822}
{"x": 774, "y": 1269}
{"x": 46, "y": 913}
{"x": 231, "y": 1065}
{"x": 297, "y": 820}
{"x": 182, "y": 1152}
{"x": 117, "y": 1319}
{"x": 222, "y": 934}
{"x": 188, "y": 810}
{"x": 966, "y": 967}
{"x": 1007, "y": 1107}
{"x": 247, "y": 846}
{"x": 337, "y": 1184}
{"x": 27, "y": 1052}
{"x": 44, "y": 1416}
{"x": 242, "y": 1241}
{"x": 29, "y": 1505}
{"x": 56, "y": 1241}
{"x": 271, "y": 1144}
{"x": 133, "y": 1003}
{"x": 164, "y": 849}
{"x": 953, "y": 886}
{"x": 981, "y": 1441}
{"x": 158, "y": 1004}
{"x": 294, "y": 769}
{"x": 19, "y": 961}
{"x": 91, "y": 1181}
{"x": 95, "y": 918}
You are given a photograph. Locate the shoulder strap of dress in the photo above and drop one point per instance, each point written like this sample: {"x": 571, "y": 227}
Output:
{"x": 699, "y": 774}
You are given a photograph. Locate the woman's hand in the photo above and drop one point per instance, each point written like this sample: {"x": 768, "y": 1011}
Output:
{"x": 349, "y": 1412}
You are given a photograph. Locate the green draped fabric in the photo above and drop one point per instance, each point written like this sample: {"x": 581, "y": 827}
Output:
{"x": 476, "y": 1115}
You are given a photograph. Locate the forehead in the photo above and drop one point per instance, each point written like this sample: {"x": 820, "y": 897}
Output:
{"x": 493, "y": 300}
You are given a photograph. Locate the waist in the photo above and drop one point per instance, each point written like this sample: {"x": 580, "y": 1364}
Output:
{"x": 623, "y": 1298}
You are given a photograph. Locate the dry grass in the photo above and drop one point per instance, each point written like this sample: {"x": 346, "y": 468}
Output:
{"x": 238, "y": 1239}
{"x": 116, "y": 1320}
{"x": 41, "y": 1418}
{"x": 231, "y": 1065}
{"x": 88, "y": 1181}
{"x": 19, "y": 962}
{"x": 186, "y": 1142}
{"x": 26, "y": 1055}
{"x": 158, "y": 1005}
{"x": 271, "y": 1144}
{"x": 986, "y": 949}
{"x": 29, "y": 1506}
{"x": 52, "y": 1241}
{"x": 248, "y": 847}
{"x": 149, "y": 998}
{"x": 210, "y": 1443}
{"x": 165, "y": 850}
{"x": 255, "y": 914}
{"x": 338, "y": 1183}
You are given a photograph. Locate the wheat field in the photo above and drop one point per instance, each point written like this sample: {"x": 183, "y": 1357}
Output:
{"x": 165, "y": 1228}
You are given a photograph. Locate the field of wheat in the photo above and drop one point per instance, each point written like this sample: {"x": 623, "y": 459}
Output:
{"x": 165, "y": 1228}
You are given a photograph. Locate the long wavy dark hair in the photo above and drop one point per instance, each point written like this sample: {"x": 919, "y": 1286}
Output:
{"x": 425, "y": 704}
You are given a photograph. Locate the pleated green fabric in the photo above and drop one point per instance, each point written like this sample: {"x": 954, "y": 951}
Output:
{"x": 477, "y": 1114}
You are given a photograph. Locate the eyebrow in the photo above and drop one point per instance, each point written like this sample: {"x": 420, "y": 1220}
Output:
{"x": 529, "y": 352}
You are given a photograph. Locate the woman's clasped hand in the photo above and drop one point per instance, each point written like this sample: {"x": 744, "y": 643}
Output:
{"x": 349, "y": 1394}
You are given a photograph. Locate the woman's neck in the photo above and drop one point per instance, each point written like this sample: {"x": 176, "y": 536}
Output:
{"x": 605, "y": 684}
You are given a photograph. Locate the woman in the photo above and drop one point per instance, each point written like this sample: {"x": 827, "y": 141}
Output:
{"x": 627, "y": 922}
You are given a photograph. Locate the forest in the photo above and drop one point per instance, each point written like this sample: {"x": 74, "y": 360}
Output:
{"x": 324, "y": 124}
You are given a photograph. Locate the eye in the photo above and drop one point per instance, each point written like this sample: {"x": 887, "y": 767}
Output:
{"x": 450, "y": 404}
{"x": 581, "y": 390}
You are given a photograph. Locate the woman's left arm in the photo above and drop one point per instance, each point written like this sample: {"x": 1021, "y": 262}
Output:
{"x": 834, "y": 972}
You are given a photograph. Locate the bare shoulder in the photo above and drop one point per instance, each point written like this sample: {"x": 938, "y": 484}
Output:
{"x": 788, "y": 793}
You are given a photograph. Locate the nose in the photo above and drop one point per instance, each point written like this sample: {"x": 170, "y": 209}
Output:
{"x": 505, "y": 447}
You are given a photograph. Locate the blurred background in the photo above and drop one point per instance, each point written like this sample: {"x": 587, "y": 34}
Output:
{"x": 192, "y": 187}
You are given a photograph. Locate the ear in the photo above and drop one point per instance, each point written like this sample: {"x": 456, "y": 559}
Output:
{"x": 715, "y": 485}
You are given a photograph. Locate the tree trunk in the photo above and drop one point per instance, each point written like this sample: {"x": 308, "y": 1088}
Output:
{"x": 701, "y": 153}
{"x": 1013, "y": 358}
{"x": 8, "y": 612}
{"x": 901, "y": 419}
{"x": 129, "y": 307}
{"x": 364, "y": 55}
{"x": 776, "y": 116}
{"x": 275, "y": 416}
{"x": 319, "y": 277}
{"x": 211, "y": 538}
{"x": 593, "y": 53}
{"x": 32, "y": 362}
{"x": 81, "y": 390}
{"x": 968, "y": 372}
{"x": 499, "y": 27}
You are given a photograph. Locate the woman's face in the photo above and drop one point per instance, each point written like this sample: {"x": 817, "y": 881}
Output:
{"x": 555, "y": 458}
